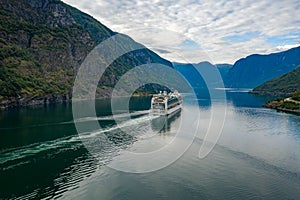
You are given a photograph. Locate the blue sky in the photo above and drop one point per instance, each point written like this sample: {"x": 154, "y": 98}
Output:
{"x": 220, "y": 31}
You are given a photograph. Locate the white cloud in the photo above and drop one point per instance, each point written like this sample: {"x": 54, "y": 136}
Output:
{"x": 286, "y": 47}
{"x": 208, "y": 23}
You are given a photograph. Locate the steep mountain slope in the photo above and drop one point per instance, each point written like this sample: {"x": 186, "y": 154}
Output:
{"x": 256, "y": 69}
{"x": 282, "y": 86}
{"x": 42, "y": 44}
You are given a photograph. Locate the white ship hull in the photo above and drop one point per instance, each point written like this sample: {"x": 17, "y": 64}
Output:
{"x": 167, "y": 112}
{"x": 166, "y": 104}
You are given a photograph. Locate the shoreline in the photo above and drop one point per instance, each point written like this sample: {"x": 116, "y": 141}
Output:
{"x": 279, "y": 105}
{"x": 278, "y": 109}
{"x": 14, "y": 104}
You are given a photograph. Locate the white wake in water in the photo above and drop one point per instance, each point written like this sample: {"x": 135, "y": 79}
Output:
{"x": 73, "y": 142}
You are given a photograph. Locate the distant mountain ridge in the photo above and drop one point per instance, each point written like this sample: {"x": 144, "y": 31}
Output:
{"x": 43, "y": 43}
{"x": 256, "y": 69}
{"x": 247, "y": 72}
{"x": 193, "y": 74}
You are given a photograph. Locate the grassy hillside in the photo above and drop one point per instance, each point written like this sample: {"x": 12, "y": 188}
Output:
{"x": 287, "y": 87}
{"x": 290, "y": 104}
{"x": 296, "y": 95}
{"x": 283, "y": 86}
{"x": 43, "y": 43}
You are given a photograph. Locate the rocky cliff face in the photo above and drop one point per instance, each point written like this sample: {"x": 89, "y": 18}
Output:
{"x": 42, "y": 44}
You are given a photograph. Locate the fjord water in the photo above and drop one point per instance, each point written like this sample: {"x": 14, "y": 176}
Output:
{"x": 256, "y": 157}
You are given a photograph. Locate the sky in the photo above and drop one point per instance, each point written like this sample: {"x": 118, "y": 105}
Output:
{"x": 219, "y": 31}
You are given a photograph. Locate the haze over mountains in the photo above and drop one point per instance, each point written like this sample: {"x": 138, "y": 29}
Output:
{"x": 43, "y": 43}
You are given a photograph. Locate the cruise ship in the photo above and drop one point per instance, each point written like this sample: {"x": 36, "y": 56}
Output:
{"x": 166, "y": 104}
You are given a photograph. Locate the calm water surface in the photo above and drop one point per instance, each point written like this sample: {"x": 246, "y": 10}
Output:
{"x": 256, "y": 157}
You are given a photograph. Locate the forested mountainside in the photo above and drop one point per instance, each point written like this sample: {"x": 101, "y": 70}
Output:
{"x": 42, "y": 45}
{"x": 284, "y": 85}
